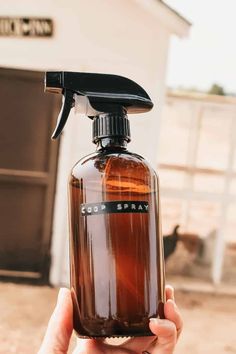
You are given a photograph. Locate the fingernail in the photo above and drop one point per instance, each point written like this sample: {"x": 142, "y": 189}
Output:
{"x": 61, "y": 295}
{"x": 156, "y": 320}
{"x": 168, "y": 286}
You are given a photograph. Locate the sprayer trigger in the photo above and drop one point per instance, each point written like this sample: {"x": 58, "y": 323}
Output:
{"x": 67, "y": 104}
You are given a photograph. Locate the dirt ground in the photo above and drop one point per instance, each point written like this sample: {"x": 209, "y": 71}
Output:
{"x": 210, "y": 320}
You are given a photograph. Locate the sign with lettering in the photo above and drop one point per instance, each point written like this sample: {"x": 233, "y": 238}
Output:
{"x": 26, "y": 27}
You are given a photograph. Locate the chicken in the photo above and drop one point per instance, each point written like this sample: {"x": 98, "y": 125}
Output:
{"x": 170, "y": 242}
{"x": 191, "y": 242}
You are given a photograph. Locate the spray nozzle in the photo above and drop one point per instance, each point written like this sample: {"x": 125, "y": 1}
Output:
{"x": 96, "y": 94}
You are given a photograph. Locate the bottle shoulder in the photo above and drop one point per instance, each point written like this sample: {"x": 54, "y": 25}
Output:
{"x": 120, "y": 162}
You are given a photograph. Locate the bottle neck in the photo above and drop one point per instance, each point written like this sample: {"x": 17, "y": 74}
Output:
{"x": 112, "y": 128}
{"x": 112, "y": 143}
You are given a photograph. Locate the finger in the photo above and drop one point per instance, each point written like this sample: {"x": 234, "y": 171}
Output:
{"x": 95, "y": 346}
{"x": 101, "y": 345}
{"x": 60, "y": 326}
{"x": 166, "y": 332}
{"x": 89, "y": 346}
{"x": 138, "y": 343}
{"x": 172, "y": 314}
{"x": 169, "y": 292}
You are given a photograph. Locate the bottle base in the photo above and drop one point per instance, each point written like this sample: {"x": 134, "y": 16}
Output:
{"x": 116, "y": 328}
{"x": 114, "y": 336}
{"x": 104, "y": 336}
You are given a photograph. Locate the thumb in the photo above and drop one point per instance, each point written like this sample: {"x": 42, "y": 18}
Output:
{"x": 60, "y": 326}
{"x": 166, "y": 333}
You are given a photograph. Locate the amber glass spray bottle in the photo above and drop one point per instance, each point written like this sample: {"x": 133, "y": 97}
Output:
{"x": 116, "y": 251}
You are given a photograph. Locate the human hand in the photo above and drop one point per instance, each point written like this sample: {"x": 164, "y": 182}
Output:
{"x": 59, "y": 331}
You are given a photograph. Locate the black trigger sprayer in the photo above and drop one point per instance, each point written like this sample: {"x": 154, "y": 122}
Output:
{"x": 97, "y": 94}
{"x": 116, "y": 247}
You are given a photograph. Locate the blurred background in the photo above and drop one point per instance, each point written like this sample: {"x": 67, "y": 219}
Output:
{"x": 183, "y": 54}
